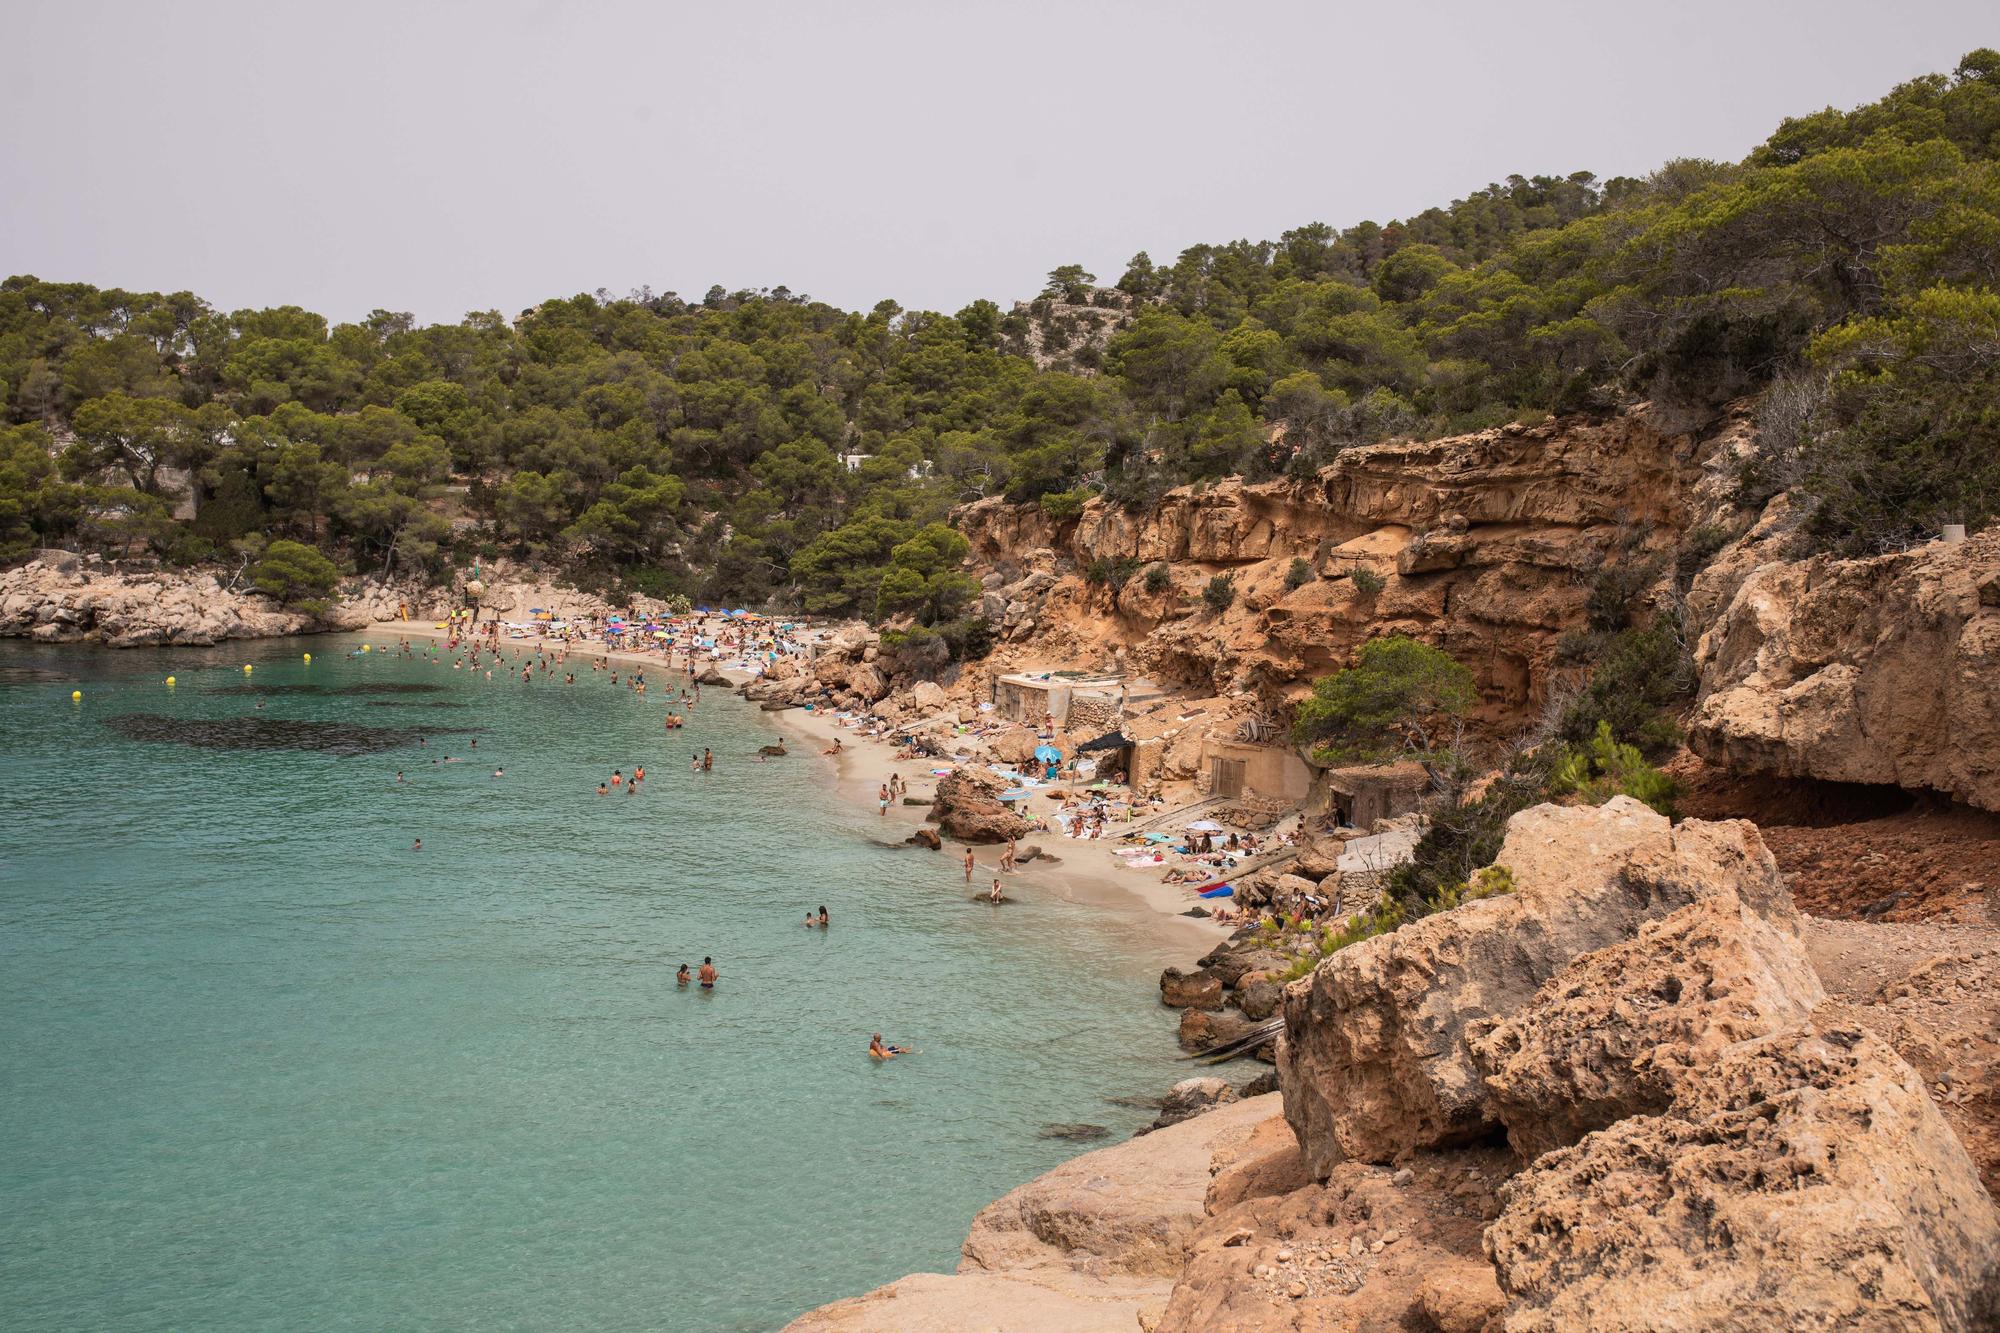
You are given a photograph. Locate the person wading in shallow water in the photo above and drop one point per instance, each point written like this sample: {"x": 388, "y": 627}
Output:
{"x": 968, "y": 865}
{"x": 707, "y": 974}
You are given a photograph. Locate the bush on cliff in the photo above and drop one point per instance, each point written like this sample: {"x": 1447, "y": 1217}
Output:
{"x": 1608, "y": 767}
{"x": 1394, "y": 701}
{"x": 1220, "y": 593}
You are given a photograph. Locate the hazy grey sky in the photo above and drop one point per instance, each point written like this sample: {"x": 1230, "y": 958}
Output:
{"x": 442, "y": 157}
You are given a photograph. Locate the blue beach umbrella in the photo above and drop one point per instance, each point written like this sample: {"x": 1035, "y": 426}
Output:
{"x": 1048, "y": 754}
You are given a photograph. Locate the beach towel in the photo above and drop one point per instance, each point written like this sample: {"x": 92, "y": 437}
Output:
{"x": 1218, "y": 891}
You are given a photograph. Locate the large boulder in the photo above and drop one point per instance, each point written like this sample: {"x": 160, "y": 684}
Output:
{"x": 1803, "y": 1181}
{"x": 1377, "y": 1059}
{"x": 1190, "y": 990}
{"x": 867, "y": 683}
{"x": 967, "y": 809}
{"x": 1189, "y": 1098}
{"x": 1878, "y": 670}
{"x": 1618, "y": 1032}
{"x": 1016, "y": 745}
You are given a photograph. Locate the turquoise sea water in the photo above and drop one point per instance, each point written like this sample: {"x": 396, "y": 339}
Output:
{"x": 262, "y": 1066}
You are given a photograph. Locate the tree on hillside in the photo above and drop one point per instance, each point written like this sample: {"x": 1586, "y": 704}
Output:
{"x": 1394, "y": 702}
{"x": 296, "y": 574}
{"x": 1070, "y": 283}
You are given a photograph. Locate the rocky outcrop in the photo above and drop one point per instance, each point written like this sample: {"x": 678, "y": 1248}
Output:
{"x": 63, "y": 598}
{"x": 1618, "y": 1032}
{"x": 1802, "y": 1181}
{"x": 966, "y": 809}
{"x": 1485, "y": 545}
{"x": 1879, "y": 670}
{"x": 1095, "y": 1244}
{"x": 1378, "y": 1056}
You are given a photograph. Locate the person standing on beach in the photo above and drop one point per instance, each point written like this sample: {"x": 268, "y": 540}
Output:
{"x": 883, "y": 808}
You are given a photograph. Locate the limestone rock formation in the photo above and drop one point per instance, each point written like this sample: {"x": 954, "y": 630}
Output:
{"x": 1881, "y": 670}
{"x": 965, "y": 808}
{"x": 1620, "y": 1031}
{"x": 1377, "y": 1058}
{"x": 1805, "y": 1181}
{"x": 63, "y": 598}
{"x": 1198, "y": 989}
{"x": 1486, "y": 543}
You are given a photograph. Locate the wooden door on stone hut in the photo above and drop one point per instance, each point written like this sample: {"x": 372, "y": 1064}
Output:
{"x": 1225, "y": 777}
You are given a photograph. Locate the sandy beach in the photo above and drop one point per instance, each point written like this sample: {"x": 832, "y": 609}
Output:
{"x": 1085, "y": 871}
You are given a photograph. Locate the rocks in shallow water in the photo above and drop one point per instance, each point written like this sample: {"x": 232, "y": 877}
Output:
{"x": 1203, "y": 1030}
{"x": 1075, "y": 1133}
{"x": 1258, "y": 1086}
{"x": 1260, "y": 997}
{"x": 927, "y": 837}
{"x": 968, "y": 809}
{"x": 1802, "y": 1181}
{"x": 1378, "y": 1051}
{"x": 1027, "y": 852}
{"x": 1190, "y": 990}
{"x": 1233, "y": 958}
{"x": 1189, "y": 1098}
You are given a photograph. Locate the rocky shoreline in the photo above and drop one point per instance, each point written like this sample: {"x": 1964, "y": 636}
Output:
{"x": 1617, "y": 1098}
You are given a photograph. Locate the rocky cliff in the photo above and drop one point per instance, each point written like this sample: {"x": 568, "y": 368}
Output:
{"x": 58, "y": 597}
{"x": 1484, "y": 544}
{"x": 1879, "y": 670}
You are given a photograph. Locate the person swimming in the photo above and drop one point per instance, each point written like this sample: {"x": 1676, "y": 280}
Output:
{"x": 880, "y": 1051}
{"x": 682, "y": 977}
{"x": 708, "y": 974}
{"x": 824, "y": 920}
{"x": 603, "y": 790}
{"x": 499, "y": 772}
{"x": 417, "y": 846}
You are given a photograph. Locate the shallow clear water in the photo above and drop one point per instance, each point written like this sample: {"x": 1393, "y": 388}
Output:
{"x": 263, "y": 1066}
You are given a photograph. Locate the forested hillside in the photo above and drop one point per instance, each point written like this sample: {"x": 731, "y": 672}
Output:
{"x": 1845, "y": 270}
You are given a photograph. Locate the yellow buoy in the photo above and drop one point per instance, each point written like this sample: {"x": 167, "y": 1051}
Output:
{"x": 309, "y": 657}
{"x": 75, "y": 695}
{"x": 170, "y": 681}
{"x": 247, "y": 668}
{"x": 367, "y": 647}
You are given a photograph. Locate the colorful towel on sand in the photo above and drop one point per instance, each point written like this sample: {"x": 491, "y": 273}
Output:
{"x": 1218, "y": 891}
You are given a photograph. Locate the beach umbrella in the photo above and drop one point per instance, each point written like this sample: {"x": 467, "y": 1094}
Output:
{"x": 1047, "y": 754}
{"x": 1204, "y": 826}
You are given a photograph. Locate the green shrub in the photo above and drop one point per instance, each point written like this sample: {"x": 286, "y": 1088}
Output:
{"x": 1098, "y": 572}
{"x": 1158, "y": 580}
{"x": 1062, "y": 506}
{"x": 1299, "y": 574}
{"x": 1464, "y": 836}
{"x": 1390, "y": 703}
{"x": 1490, "y": 882}
{"x": 1220, "y": 592}
{"x": 1642, "y": 679}
{"x": 1608, "y": 767}
{"x": 1367, "y": 582}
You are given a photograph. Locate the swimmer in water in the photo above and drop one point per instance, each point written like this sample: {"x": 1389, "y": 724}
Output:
{"x": 417, "y": 846}
{"x": 499, "y": 772}
{"x": 399, "y": 775}
{"x": 707, "y": 762}
{"x": 603, "y": 790}
{"x": 823, "y": 918}
{"x": 681, "y": 978}
{"x": 881, "y": 1052}
{"x": 708, "y": 974}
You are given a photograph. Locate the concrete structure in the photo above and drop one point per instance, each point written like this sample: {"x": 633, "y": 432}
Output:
{"x": 1359, "y": 795}
{"x": 1234, "y": 767}
{"x": 1079, "y": 703}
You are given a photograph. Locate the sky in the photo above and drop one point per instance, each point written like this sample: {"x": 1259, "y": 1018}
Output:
{"x": 438, "y": 156}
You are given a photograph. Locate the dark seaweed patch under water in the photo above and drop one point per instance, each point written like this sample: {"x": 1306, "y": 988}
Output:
{"x": 413, "y": 703}
{"x": 270, "y": 733}
{"x": 370, "y": 687}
